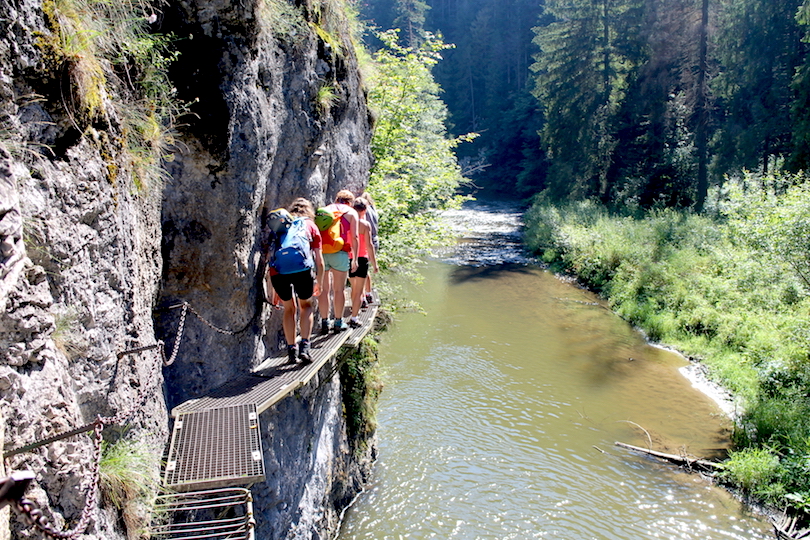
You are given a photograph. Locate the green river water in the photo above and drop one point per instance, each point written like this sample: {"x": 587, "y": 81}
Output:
{"x": 502, "y": 405}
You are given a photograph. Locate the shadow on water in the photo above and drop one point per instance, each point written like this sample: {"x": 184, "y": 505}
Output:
{"x": 468, "y": 273}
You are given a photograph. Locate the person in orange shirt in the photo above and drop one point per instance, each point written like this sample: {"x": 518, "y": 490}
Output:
{"x": 337, "y": 265}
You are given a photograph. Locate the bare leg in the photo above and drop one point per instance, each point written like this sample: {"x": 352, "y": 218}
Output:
{"x": 368, "y": 285}
{"x": 357, "y": 294}
{"x": 323, "y": 299}
{"x": 306, "y": 318}
{"x": 288, "y": 321}
{"x": 339, "y": 286}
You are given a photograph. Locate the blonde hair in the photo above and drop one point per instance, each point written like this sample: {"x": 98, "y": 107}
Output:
{"x": 302, "y": 207}
{"x": 344, "y": 196}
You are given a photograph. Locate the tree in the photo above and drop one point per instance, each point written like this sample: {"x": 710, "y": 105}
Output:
{"x": 411, "y": 18}
{"x": 702, "y": 105}
{"x": 415, "y": 171}
{"x": 759, "y": 49}
{"x": 586, "y": 56}
{"x": 800, "y": 108}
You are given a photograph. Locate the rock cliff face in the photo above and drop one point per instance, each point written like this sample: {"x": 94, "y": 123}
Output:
{"x": 92, "y": 263}
{"x": 258, "y": 138}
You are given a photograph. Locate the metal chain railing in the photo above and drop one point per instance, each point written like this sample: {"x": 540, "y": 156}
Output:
{"x": 31, "y": 510}
{"x": 37, "y": 518}
{"x": 216, "y": 328}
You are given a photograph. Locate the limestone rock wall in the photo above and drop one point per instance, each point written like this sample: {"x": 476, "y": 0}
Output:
{"x": 258, "y": 138}
{"x": 92, "y": 263}
{"x": 80, "y": 269}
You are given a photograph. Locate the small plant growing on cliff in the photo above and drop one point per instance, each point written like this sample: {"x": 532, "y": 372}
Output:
{"x": 282, "y": 18}
{"x": 128, "y": 481}
{"x": 362, "y": 384}
{"x": 325, "y": 98}
{"x": 65, "y": 337}
{"x": 106, "y": 49}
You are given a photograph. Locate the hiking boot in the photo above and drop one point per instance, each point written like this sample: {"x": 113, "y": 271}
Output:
{"x": 324, "y": 326}
{"x": 303, "y": 351}
{"x": 292, "y": 353}
{"x": 369, "y": 298}
{"x": 354, "y": 323}
{"x": 338, "y": 326}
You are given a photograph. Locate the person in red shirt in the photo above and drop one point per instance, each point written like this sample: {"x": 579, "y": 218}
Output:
{"x": 304, "y": 285}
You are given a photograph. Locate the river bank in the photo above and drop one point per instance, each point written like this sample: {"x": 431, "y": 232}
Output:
{"x": 693, "y": 283}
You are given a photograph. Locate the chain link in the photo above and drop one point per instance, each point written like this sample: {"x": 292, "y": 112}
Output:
{"x": 180, "y": 328}
{"x": 36, "y": 517}
{"x": 216, "y": 328}
{"x": 30, "y": 509}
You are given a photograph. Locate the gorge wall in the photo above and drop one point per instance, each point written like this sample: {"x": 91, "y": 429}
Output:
{"x": 93, "y": 262}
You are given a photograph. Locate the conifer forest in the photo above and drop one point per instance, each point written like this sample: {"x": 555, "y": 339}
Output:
{"x": 649, "y": 101}
{"x": 662, "y": 146}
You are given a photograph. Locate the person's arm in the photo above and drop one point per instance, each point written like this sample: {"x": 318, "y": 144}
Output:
{"x": 270, "y": 294}
{"x": 316, "y": 254}
{"x": 315, "y": 246}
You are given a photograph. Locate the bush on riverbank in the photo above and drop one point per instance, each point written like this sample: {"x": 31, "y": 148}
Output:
{"x": 730, "y": 287}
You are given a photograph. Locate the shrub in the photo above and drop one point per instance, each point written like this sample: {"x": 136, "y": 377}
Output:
{"x": 128, "y": 480}
{"x": 752, "y": 469}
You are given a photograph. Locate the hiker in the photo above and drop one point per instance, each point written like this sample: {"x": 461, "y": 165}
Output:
{"x": 365, "y": 254}
{"x": 339, "y": 261}
{"x": 296, "y": 252}
{"x": 373, "y": 219}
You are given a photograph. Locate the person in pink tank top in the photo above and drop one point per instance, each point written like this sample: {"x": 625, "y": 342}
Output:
{"x": 365, "y": 254}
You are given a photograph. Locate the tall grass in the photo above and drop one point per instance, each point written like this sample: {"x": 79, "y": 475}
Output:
{"x": 128, "y": 481}
{"x": 729, "y": 288}
{"x": 118, "y": 76}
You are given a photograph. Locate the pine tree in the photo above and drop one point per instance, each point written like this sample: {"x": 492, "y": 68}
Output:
{"x": 582, "y": 69}
{"x": 800, "y": 107}
{"x": 411, "y": 19}
{"x": 759, "y": 48}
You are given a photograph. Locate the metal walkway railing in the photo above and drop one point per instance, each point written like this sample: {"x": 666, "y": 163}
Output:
{"x": 216, "y": 440}
{"x": 222, "y": 514}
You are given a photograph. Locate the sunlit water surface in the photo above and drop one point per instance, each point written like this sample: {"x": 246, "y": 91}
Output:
{"x": 502, "y": 405}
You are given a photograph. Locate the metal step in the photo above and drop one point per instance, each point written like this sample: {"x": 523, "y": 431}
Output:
{"x": 220, "y": 514}
{"x": 215, "y": 448}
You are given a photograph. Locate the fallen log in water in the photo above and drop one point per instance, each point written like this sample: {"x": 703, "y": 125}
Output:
{"x": 786, "y": 528}
{"x": 691, "y": 463}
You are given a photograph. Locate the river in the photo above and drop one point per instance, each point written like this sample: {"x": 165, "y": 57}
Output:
{"x": 503, "y": 401}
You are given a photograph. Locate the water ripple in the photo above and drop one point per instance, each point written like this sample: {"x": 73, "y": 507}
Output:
{"x": 494, "y": 404}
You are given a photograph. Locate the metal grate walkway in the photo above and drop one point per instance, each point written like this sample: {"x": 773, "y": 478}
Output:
{"x": 215, "y": 448}
{"x": 216, "y": 440}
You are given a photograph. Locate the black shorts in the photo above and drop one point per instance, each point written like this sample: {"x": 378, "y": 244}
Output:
{"x": 303, "y": 283}
{"x": 362, "y": 268}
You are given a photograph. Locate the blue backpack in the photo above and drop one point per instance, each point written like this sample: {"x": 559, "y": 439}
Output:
{"x": 293, "y": 253}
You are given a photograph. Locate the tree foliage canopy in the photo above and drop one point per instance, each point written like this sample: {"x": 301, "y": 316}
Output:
{"x": 415, "y": 171}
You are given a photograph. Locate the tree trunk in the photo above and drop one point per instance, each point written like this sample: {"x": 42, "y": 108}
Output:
{"x": 702, "y": 110}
